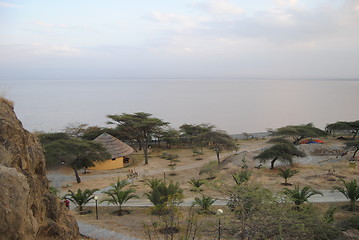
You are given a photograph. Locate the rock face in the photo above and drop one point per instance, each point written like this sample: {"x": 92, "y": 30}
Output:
{"x": 27, "y": 209}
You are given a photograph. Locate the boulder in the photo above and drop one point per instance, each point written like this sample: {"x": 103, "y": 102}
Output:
{"x": 27, "y": 209}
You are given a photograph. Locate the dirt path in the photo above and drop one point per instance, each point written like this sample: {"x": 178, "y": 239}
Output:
{"x": 96, "y": 232}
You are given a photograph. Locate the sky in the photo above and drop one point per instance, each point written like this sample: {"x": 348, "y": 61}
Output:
{"x": 113, "y": 39}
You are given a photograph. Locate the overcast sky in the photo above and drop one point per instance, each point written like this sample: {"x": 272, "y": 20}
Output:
{"x": 110, "y": 39}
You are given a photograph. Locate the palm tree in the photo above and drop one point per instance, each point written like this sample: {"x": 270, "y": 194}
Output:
{"x": 153, "y": 182}
{"x": 196, "y": 184}
{"x": 300, "y": 196}
{"x": 351, "y": 192}
{"x": 205, "y": 203}
{"x": 241, "y": 177}
{"x": 117, "y": 196}
{"x": 287, "y": 173}
{"x": 81, "y": 197}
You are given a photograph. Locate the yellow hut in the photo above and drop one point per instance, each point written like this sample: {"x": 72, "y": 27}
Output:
{"x": 116, "y": 148}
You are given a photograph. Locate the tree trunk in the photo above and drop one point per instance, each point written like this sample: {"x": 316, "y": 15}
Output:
{"x": 217, "y": 152}
{"x": 356, "y": 133}
{"x": 145, "y": 151}
{"x": 120, "y": 210}
{"x": 78, "y": 179}
{"x": 133, "y": 145}
{"x": 272, "y": 163}
{"x": 297, "y": 140}
{"x": 355, "y": 152}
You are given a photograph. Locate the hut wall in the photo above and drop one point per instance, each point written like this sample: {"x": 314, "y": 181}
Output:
{"x": 108, "y": 164}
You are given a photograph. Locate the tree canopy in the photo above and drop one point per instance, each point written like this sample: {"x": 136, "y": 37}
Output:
{"x": 353, "y": 144}
{"x": 281, "y": 151}
{"x": 171, "y": 137}
{"x": 217, "y": 141}
{"x": 46, "y": 138}
{"x": 299, "y": 132}
{"x": 77, "y": 153}
{"x": 139, "y": 126}
{"x": 191, "y": 131}
{"x": 345, "y": 126}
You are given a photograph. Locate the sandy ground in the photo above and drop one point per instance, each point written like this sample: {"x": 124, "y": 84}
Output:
{"x": 320, "y": 169}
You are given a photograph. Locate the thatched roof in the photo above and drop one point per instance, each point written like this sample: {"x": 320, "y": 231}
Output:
{"x": 114, "y": 146}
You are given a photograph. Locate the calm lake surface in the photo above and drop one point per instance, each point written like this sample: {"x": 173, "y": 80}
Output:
{"x": 233, "y": 105}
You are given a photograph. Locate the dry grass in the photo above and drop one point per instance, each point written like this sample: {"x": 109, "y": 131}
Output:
{"x": 132, "y": 224}
{"x": 320, "y": 176}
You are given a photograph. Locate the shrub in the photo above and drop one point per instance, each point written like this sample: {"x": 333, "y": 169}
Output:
{"x": 197, "y": 152}
{"x": 54, "y": 191}
{"x": 287, "y": 173}
{"x": 81, "y": 197}
{"x": 350, "y": 191}
{"x": 205, "y": 203}
{"x": 164, "y": 155}
{"x": 196, "y": 184}
{"x": 211, "y": 169}
{"x": 241, "y": 177}
{"x": 161, "y": 193}
{"x": 118, "y": 196}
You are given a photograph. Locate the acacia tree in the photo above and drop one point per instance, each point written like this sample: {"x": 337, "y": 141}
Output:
{"x": 282, "y": 151}
{"x": 346, "y": 126}
{"x": 139, "y": 126}
{"x": 171, "y": 137}
{"x": 217, "y": 141}
{"x": 190, "y": 132}
{"x": 76, "y": 129}
{"x": 77, "y": 153}
{"x": 300, "y": 132}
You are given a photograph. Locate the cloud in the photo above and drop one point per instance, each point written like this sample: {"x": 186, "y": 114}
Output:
{"x": 9, "y": 5}
{"x": 286, "y": 2}
{"x": 64, "y": 50}
{"x": 172, "y": 18}
{"x": 38, "y": 49}
{"x": 220, "y": 7}
{"x": 44, "y": 24}
{"x": 50, "y": 26}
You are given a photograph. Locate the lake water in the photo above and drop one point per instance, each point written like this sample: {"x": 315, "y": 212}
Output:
{"x": 233, "y": 105}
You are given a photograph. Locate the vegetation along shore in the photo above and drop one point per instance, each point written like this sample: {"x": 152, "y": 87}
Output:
{"x": 182, "y": 183}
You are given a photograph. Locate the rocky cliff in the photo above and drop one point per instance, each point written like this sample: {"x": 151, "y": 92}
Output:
{"x": 27, "y": 209}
